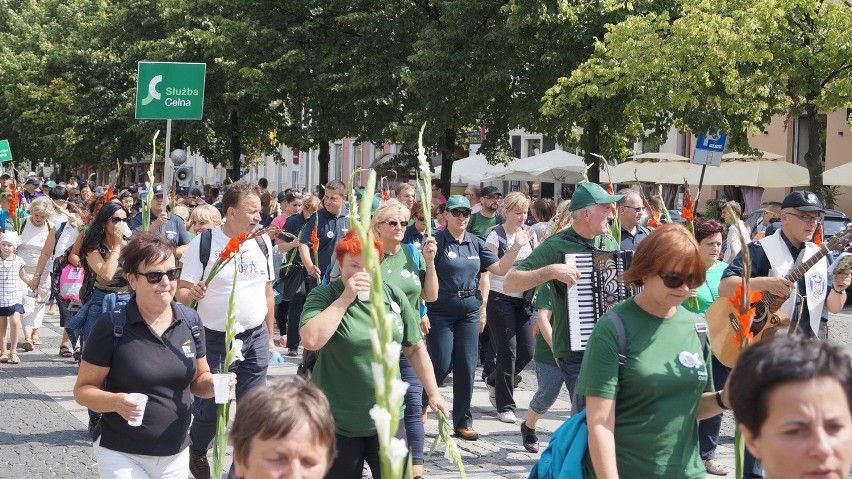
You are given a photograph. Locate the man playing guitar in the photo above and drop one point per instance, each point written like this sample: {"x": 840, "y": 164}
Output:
{"x": 772, "y": 257}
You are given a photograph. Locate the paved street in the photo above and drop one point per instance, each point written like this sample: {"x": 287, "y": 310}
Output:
{"x": 43, "y": 431}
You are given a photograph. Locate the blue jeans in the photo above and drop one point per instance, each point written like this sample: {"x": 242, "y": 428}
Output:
{"x": 81, "y": 324}
{"x": 414, "y": 433}
{"x": 550, "y": 380}
{"x": 251, "y": 373}
{"x": 570, "y": 368}
{"x": 708, "y": 429}
{"x": 452, "y": 342}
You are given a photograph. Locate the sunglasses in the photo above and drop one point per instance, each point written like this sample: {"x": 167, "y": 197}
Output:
{"x": 116, "y": 220}
{"x": 396, "y": 224}
{"x": 459, "y": 212}
{"x": 421, "y": 218}
{"x": 155, "y": 277}
{"x": 673, "y": 280}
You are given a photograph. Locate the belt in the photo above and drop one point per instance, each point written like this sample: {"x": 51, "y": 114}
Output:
{"x": 243, "y": 335}
{"x": 461, "y": 293}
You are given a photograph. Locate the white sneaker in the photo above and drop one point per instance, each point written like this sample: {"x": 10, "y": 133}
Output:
{"x": 492, "y": 395}
{"x": 507, "y": 417}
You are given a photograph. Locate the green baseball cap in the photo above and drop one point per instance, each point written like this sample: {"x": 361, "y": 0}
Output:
{"x": 588, "y": 194}
{"x": 457, "y": 201}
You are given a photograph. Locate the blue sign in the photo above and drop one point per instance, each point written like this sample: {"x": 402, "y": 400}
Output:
{"x": 707, "y": 142}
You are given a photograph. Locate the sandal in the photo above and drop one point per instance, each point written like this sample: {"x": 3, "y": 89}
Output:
{"x": 77, "y": 353}
{"x": 715, "y": 468}
{"x": 14, "y": 359}
{"x": 65, "y": 351}
{"x": 27, "y": 345}
{"x": 4, "y": 357}
{"x": 36, "y": 340}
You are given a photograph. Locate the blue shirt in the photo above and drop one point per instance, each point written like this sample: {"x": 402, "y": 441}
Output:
{"x": 174, "y": 230}
{"x": 329, "y": 229}
{"x": 414, "y": 237}
{"x": 458, "y": 264}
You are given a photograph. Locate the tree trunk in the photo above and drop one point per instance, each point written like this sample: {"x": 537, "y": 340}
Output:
{"x": 323, "y": 160}
{"x": 236, "y": 146}
{"x": 447, "y": 159}
{"x": 592, "y": 144}
{"x": 813, "y": 157}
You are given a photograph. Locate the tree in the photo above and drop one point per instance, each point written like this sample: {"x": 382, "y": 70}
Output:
{"x": 729, "y": 66}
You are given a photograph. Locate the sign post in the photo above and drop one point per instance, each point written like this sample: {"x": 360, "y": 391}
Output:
{"x": 5, "y": 151}
{"x": 708, "y": 151}
{"x": 170, "y": 91}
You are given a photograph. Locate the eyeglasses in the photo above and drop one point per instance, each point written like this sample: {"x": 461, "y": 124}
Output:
{"x": 460, "y": 212}
{"x": 116, "y": 220}
{"x": 421, "y": 218}
{"x": 155, "y": 277}
{"x": 673, "y": 280}
{"x": 807, "y": 218}
{"x": 637, "y": 209}
{"x": 395, "y": 224}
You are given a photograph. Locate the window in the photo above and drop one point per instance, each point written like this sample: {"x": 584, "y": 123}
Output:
{"x": 533, "y": 146}
{"x": 801, "y": 141}
{"x": 336, "y": 171}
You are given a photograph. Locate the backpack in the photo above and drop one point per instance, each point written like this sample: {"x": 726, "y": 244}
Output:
{"x": 207, "y": 240}
{"x": 502, "y": 247}
{"x": 564, "y": 454}
{"x": 119, "y": 318}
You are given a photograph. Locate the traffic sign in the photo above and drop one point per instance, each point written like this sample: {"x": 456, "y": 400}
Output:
{"x": 5, "y": 151}
{"x": 170, "y": 91}
{"x": 709, "y": 149}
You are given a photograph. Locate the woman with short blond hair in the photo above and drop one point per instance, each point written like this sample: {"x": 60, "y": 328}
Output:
{"x": 34, "y": 234}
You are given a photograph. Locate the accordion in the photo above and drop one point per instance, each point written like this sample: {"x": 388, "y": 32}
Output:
{"x": 599, "y": 289}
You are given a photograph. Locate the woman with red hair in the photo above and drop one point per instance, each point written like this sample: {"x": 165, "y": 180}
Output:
{"x": 337, "y": 325}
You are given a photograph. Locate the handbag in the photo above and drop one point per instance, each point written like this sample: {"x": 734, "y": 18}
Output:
{"x": 293, "y": 282}
{"x": 71, "y": 282}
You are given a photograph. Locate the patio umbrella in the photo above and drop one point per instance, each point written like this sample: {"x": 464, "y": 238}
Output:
{"x": 470, "y": 170}
{"x": 650, "y": 168}
{"x": 765, "y": 155}
{"x": 838, "y": 176}
{"x": 553, "y": 166}
{"x": 750, "y": 171}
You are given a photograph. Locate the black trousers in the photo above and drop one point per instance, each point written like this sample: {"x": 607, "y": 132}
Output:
{"x": 353, "y": 452}
{"x": 511, "y": 328}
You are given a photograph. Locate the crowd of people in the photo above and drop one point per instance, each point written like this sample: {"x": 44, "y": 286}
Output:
{"x": 489, "y": 288}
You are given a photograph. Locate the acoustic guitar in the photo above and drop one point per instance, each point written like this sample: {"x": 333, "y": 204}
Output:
{"x": 722, "y": 319}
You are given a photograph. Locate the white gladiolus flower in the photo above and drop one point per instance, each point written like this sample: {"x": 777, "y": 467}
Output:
{"x": 397, "y": 392}
{"x": 392, "y": 354}
{"x": 382, "y": 418}
{"x": 238, "y": 328}
{"x": 374, "y": 340}
{"x": 396, "y": 454}
{"x": 237, "y": 347}
{"x": 378, "y": 375}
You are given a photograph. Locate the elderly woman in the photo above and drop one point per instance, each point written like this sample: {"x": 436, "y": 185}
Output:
{"x": 337, "y": 325}
{"x": 159, "y": 353}
{"x": 283, "y": 430}
{"x": 34, "y": 234}
{"x": 204, "y": 217}
{"x": 793, "y": 399}
{"x": 642, "y": 415}
{"x": 414, "y": 272}
{"x": 508, "y": 319}
{"x": 458, "y": 315}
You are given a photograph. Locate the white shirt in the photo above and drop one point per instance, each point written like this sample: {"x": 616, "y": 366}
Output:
{"x": 255, "y": 270}
{"x": 733, "y": 240}
{"x": 66, "y": 238}
{"x": 496, "y": 282}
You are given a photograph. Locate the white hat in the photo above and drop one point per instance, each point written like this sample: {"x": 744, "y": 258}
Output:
{"x": 11, "y": 237}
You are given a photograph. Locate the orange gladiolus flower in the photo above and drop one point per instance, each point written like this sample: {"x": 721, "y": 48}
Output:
{"x": 818, "y": 235}
{"x": 233, "y": 246}
{"x": 13, "y": 203}
{"x": 385, "y": 195}
{"x": 654, "y": 220}
{"x": 108, "y": 195}
{"x": 687, "y": 212}
{"x": 314, "y": 240}
{"x": 744, "y": 318}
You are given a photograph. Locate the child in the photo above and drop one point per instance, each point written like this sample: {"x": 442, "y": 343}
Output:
{"x": 11, "y": 265}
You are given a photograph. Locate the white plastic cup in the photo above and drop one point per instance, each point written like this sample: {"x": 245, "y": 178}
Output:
{"x": 364, "y": 295}
{"x": 221, "y": 387}
{"x": 140, "y": 400}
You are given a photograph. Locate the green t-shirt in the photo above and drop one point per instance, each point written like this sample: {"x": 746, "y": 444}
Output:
{"x": 543, "y": 354}
{"x": 400, "y": 270}
{"x": 550, "y": 251}
{"x": 343, "y": 369}
{"x": 656, "y": 392}
{"x": 479, "y": 224}
{"x": 709, "y": 291}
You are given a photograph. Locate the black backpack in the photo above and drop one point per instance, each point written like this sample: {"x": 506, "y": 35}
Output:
{"x": 207, "y": 240}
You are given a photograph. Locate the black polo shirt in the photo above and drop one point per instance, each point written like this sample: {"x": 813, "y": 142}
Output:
{"x": 630, "y": 241}
{"x": 458, "y": 264}
{"x": 162, "y": 367}
{"x": 760, "y": 267}
{"x": 414, "y": 237}
{"x": 330, "y": 228}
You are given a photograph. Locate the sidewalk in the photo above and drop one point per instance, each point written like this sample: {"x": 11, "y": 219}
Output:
{"x": 43, "y": 432}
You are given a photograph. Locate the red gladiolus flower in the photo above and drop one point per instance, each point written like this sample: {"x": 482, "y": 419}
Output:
{"x": 744, "y": 318}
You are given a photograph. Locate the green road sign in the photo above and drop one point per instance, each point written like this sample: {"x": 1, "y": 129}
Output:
{"x": 5, "y": 151}
{"x": 170, "y": 91}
